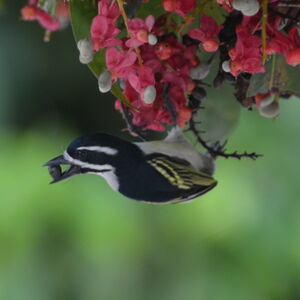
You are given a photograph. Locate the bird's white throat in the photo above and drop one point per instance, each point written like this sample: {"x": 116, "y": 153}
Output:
{"x": 108, "y": 174}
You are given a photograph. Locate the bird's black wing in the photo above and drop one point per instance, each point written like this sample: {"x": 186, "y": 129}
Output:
{"x": 190, "y": 182}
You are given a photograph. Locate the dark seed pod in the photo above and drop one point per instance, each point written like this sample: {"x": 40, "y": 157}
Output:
{"x": 229, "y": 78}
{"x": 188, "y": 41}
{"x": 199, "y": 93}
{"x": 285, "y": 95}
{"x": 55, "y": 172}
{"x": 195, "y": 98}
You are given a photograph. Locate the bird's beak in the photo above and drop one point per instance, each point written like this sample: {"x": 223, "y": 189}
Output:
{"x": 55, "y": 169}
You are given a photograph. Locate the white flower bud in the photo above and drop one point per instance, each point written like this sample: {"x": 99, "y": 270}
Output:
{"x": 200, "y": 72}
{"x": 105, "y": 82}
{"x": 251, "y": 12}
{"x": 247, "y": 7}
{"x": 226, "y": 66}
{"x": 266, "y": 101}
{"x": 149, "y": 94}
{"x": 86, "y": 59}
{"x": 270, "y": 111}
{"x": 85, "y": 47}
{"x": 122, "y": 83}
{"x": 152, "y": 39}
{"x": 238, "y": 4}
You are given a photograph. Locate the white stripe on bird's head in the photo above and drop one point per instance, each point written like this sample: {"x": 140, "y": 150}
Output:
{"x": 100, "y": 149}
{"x": 87, "y": 165}
{"x": 106, "y": 171}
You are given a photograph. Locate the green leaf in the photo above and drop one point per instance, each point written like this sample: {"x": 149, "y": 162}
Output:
{"x": 82, "y": 14}
{"x": 259, "y": 84}
{"x": 132, "y": 7}
{"x": 216, "y": 11}
{"x": 153, "y": 7}
{"x": 220, "y": 114}
{"x": 279, "y": 77}
{"x": 288, "y": 80}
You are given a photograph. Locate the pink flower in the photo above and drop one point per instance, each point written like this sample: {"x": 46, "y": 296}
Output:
{"x": 119, "y": 64}
{"x": 103, "y": 28}
{"x": 184, "y": 116}
{"x": 246, "y": 55}
{"x": 293, "y": 57}
{"x": 141, "y": 77}
{"x": 139, "y": 31}
{"x": 277, "y": 41}
{"x": 287, "y": 45}
{"x": 33, "y": 2}
{"x": 227, "y": 4}
{"x": 62, "y": 12}
{"x": 181, "y": 7}
{"x": 163, "y": 50}
{"x": 107, "y": 10}
{"x": 207, "y": 34}
{"x": 32, "y": 12}
{"x": 103, "y": 32}
{"x": 148, "y": 116}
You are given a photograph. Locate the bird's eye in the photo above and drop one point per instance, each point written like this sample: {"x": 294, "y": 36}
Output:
{"x": 80, "y": 154}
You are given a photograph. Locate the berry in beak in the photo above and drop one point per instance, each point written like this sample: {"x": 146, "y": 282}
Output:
{"x": 54, "y": 168}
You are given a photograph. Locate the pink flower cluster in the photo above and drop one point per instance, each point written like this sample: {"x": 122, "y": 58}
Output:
{"x": 166, "y": 63}
{"x": 32, "y": 12}
{"x": 287, "y": 45}
{"x": 152, "y": 54}
{"x": 246, "y": 55}
{"x": 149, "y": 59}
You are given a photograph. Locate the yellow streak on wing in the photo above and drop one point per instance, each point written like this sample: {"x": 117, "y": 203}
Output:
{"x": 182, "y": 176}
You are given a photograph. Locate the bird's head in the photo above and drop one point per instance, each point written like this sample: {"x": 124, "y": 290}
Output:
{"x": 95, "y": 153}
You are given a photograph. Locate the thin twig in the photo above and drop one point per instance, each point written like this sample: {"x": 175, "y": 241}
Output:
{"x": 219, "y": 151}
{"x": 288, "y": 4}
{"x": 283, "y": 15}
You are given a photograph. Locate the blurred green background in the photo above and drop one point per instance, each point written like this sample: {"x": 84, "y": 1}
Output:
{"x": 80, "y": 240}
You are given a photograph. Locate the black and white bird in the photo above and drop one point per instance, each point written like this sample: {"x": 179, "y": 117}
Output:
{"x": 167, "y": 171}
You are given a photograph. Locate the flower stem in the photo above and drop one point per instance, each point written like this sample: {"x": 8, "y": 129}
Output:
{"x": 271, "y": 82}
{"x": 123, "y": 13}
{"x": 264, "y": 20}
{"x": 47, "y": 36}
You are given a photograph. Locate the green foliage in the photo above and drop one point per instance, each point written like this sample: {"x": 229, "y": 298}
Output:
{"x": 279, "y": 77}
{"x": 153, "y": 6}
{"x": 81, "y": 240}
